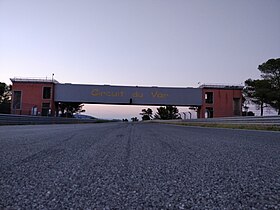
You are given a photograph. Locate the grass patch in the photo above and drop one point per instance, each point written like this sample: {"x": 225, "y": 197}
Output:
{"x": 232, "y": 126}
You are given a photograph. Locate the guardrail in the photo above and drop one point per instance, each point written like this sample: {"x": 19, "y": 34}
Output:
{"x": 9, "y": 119}
{"x": 269, "y": 120}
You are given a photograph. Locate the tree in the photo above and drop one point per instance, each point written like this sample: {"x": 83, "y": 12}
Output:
{"x": 69, "y": 108}
{"x": 258, "y": 91}
{"x": 134, "y": 119}
{"x": 271, "y": 72}
{"x": 5, "y": 98}
{"x": 167, "y": 113}
{"x": 147, "y": 114}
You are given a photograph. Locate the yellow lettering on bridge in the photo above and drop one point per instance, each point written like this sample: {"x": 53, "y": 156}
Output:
{"x": 159, "y": 95}
{"x": 137, "y": 95}
{"x": 98, "y": 93}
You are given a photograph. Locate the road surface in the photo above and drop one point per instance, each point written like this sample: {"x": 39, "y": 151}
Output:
{"x": 138, "y": 166}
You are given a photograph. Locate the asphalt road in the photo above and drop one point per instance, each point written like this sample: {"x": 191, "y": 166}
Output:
{"x": 138, "y": 166}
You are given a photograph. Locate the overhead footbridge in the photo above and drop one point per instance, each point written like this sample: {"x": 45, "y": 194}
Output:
{"x": 128, "y": 95}
{"x": 43, "y": 96}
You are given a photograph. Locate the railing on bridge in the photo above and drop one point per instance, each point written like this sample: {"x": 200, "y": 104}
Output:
{"x": 273, "y": 120}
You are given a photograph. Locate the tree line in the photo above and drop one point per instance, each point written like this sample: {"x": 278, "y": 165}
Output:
{"x": 5, "y": 98}
{"x": 163, "y": 113}
{"x": 265, "y": 92}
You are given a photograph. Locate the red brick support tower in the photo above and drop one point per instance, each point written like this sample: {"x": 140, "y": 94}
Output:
{"x": 220, "y": 101}
{"x": 33, "y": 97}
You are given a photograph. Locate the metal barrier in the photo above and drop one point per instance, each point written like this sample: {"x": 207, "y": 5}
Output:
{"x": 9, "y": 119}
{"x": 273, "y": 120}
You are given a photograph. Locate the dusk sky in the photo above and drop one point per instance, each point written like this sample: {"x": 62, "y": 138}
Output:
{"x": 171, "y": 43}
